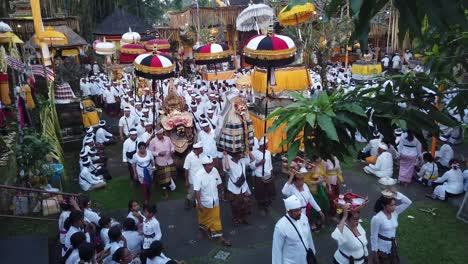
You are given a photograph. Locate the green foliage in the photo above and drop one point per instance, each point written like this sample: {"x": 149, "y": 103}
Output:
{"x": 71, "y": 72}
{"x": 415, "y": 15}
{"x": 31, "y": 154}
{"x": 326, "y": 125}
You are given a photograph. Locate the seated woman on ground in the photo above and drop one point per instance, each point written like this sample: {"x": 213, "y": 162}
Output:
{"x": 429, "y": 170}
{"x": 452, "y": 182}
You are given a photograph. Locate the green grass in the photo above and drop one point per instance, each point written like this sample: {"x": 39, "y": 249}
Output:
{"x": 120, "y": 190}
{"x": 432, "y": 239}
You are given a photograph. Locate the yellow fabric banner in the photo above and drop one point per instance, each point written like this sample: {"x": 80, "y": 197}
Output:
{"x": 274, "y": 138}
{"x": 286, "y": 79}
{"x": 366, "y": 69}
{"x": 224, "y": 75}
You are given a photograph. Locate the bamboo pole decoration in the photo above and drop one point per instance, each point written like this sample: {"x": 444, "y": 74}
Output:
{"x": 347, "y": 52}
{"x": 434, "y": 139}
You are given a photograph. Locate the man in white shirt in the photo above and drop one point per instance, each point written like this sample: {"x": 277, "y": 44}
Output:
{"x": 206, "y": 185}
{"x": 192, "y": 165}
{"x": 84, "y": 87}
{"x": 235, "y": 167}
{"x": 444, "y": 154}
{"x": 126, "y": 122}
{"x": 396, "y": 61}
{"x": 292, "y": 237}
{"x": 263, "y": 176}
{"x": 207, "y": 137}
{"x": 103, "y": 136}
{"x": 141, "y": 126}
{"x": 146, "y": 136}
{"x": 109, "y": 96}
{"x": 384, "y": 164}
{"x": 128, "y": 150}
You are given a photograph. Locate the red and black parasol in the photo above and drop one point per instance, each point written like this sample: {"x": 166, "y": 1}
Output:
{"x": 269, "y": 50}
{"x": 212, "y": 53}
{"x": 159, "y": 44}
{"x": 154, "y": 66}
{"x": 129, "y": 52}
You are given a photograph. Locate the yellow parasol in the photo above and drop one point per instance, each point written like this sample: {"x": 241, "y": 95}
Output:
{"x": 295, "y": 13}
{"x": 10, "y": 37}
{"x": 51, "y": 37}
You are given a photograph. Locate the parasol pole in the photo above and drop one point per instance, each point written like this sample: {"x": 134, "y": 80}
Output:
{"x": 298, "y": 29}
{"x": 153, "y": 86}
{"x": 265, "y": 115}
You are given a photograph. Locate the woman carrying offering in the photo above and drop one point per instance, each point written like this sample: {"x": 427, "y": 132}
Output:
{"x": 295, "y": 186}
{"x": 384, "y": 225}
{"x": 351, "y": 238}
{"x": 316, "y": 180}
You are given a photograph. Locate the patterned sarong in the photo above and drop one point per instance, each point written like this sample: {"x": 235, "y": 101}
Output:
{"x": 165, "y": 174}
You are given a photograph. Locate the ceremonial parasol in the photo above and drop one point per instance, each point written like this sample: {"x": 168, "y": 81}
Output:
{"x": 154, "y": 66}
{"x": 4, "y": 27}
{"x": 129, "y": 52}
{"x": 10, "y": 37}
{"x": 105, "y": 48}
{"x": 269, "y": 51}
{"x": 212, "y": 53}
{"x": 51, "y": 37}
{"x": 295, "y": 13}
{"x": 254, "y": 17}
{"x": 130, "y": 37}
{"x": 161, "y": 44}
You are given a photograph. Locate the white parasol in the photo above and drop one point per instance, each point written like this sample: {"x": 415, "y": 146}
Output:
{"x": 4, "y": 27}
{"x": 255, "y": 17}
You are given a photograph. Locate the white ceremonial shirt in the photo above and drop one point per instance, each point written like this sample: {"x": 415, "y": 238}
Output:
{"x": 134, "y": 241}
{"x": 384, "y": 163}
{"x": 453, "y": 181}
{"x": 127, "y": 123}
{"x": 72, "y": 230}
{"x": 207, "y": 184}
{"x": 305, "y": 196}
{"x": 149, "y": 228}
{"x": 287, "y": 247}
{"x": 91, "y": 216}
{"x": 445, "y": 154}
{"x": 193, "y": 163}
{"x": 128, "y": 146}
{"x": 350, "y": 245}
{"x": 144, "y": 137}
{"x": 429, "y": 169}
{"x": 85, "y": 89}
{"x": 102, "y": 135}
{"x": 372, "y": 146}
{"x": 104, "y": 234}
{"x": 209, "y": 143}
{"x": 74, "y": 257}
{"x": 396, "y": 62}
{"x": 380, "y": 224}
{"x": 237, "y": 169}
{"x": 109, "y": 96}
{"x": 87, "y": 179}
{"x": 268, "y": 164}
{"x": 409, "y": 148}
